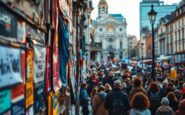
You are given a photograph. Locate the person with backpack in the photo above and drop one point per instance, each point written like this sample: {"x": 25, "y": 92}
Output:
{"x": 117, "y": 102}
{"x": 84, "y": 99}
{"x": 98, "y": 102}
{"x": 153, "y": 94}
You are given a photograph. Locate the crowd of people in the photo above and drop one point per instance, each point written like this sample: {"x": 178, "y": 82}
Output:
{"x": 115, "y": 89}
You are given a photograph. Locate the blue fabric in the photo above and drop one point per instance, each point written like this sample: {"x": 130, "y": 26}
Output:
{"x": 63, "y": 44}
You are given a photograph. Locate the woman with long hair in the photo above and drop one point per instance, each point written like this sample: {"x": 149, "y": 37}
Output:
{"x": 140, "y": 105}
{"x": 173, "y": 102}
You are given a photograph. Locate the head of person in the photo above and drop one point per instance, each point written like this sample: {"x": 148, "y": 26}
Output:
{"x": 165, "y": 101}
{"x": 171, "y": 96}
{"x": 84, "y": 85}
{"x": 108, "y": 87}
{"x": 124, "y": 85}
{"x": 140, "y": 102}
{"x": 94, "y": 91}
{"x": 117, "y": 84}
{"x": 153, "y": 87}
{"x": 137, "y": 82}
{"x": 183, "y": 86}
{"x": 101, "y": 88}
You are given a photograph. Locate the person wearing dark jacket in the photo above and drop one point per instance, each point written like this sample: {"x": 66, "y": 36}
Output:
{"x": 117, "y": 102}
{"x": 173, "y": 103}
{"x": 84, "y": 99}
{"x": 181, "y": 110}
{"x": 164, "y": 109}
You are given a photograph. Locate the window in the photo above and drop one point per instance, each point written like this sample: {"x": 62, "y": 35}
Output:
{"x": 120, "y": 29}
{"x": 121, "y": 44}
{"x": 101, "y": 29}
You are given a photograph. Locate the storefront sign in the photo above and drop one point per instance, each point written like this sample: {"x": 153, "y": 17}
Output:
{"x": 39, "y": 63}
{"x": 39, "y": 96}
{"x": 10, "y": 69}
{"x": 8, "y": 24}
{"x": 29, "y": 80}
{"x": 5, "y": 100}
{"x": 173, "y": 74}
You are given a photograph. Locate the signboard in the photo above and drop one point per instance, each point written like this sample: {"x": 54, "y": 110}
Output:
{"x": 29, "y": 80}
{"x": 21, "y": 31}
{"x": 39, "y": 96}
{"x": 173, "y": 74}
{"x": 5, "y": 100}
{"x": 17, "y": 93}
{"x": 39, "y": 63}
{"x": 10, "y": 69}
{"x": 8, "y": 24}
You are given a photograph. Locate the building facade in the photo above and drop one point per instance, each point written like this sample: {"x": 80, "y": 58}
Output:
{"x": 132, "y": 42}
{"x": 110, "y": 32}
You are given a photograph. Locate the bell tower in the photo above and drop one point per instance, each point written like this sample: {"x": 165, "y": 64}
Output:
{"x": 102, "y": 8}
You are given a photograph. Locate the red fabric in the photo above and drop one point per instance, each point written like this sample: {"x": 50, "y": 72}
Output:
{"x": 182, "y": 91}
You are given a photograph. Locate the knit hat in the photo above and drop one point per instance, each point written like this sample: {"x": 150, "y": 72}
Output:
{"x": 164, "y": 101}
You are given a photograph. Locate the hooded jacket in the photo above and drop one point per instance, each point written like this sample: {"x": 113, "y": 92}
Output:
{"x": 164, "y": 110}
{"x": 137, "y": 112}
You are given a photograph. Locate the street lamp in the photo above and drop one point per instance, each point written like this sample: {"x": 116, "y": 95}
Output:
{"x": 152, "y": 16}
{"x": 142, "y": 45}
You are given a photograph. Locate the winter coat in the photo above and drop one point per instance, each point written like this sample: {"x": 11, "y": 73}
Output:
{"x": 154, "y": 101}
{"x": 173, "y": 104}
{"x": 84, "y": 97}
{"x": 113, "y": 96}
{"x": 136, "y": 90}
{"x": 137, "y": 112}
{"x": 98, "y": 106}
{"x": 181, "y": 110}
{"x": 164, "y": 110}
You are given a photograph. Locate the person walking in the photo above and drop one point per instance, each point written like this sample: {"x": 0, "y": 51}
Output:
{"x": 140, "y": 105}
{"x": 98, "y": 102}
{"x": 117, "y": 101}
{"x": 164, "y": 109}
{"x": 84, "y": 99}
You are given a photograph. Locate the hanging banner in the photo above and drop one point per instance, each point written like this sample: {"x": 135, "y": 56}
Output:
{"x": 30, "y": 111}
{"x": 5, "y": 101}
{"x": 10, "y": 69}
{"x": 29, "y": 80}
{"x": 8, "y": 24}
{"x": 63, "y": 49}
{"x": 39, "y": 96}
{"x": 18, "y": 108}
{"x": 48, "y": 68}
{"x": 21, "y": 31}
{"x": 53, "y": 103}
{"x": 57, "y": 84}
{"x": 39, "y": 63}
{"x": 17, "y": 93}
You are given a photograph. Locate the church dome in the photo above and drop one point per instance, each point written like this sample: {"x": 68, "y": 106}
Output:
{"x": 103, "y": 2}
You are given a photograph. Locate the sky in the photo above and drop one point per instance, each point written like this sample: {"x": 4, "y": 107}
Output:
{"x": 129, "y": 9}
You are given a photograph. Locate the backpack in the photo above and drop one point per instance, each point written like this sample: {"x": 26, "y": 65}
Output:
{"x": 117, "y": 105}
{"x": 154, "y": 98}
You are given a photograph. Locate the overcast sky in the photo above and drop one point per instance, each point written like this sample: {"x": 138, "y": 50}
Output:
{"x": 129, "y": 9}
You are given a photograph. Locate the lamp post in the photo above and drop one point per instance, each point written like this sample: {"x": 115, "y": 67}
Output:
{"x": 152, "y": 16}
{"x": 142, "y": 44}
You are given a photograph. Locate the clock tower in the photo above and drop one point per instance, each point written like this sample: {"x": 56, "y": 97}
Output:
{"x": 102, "y": 8}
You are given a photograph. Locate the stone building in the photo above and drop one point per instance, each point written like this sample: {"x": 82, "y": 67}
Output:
{"x": 110, "y": 32}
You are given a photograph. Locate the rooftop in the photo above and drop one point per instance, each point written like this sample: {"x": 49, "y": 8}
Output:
{"x": 118, "y": 17}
